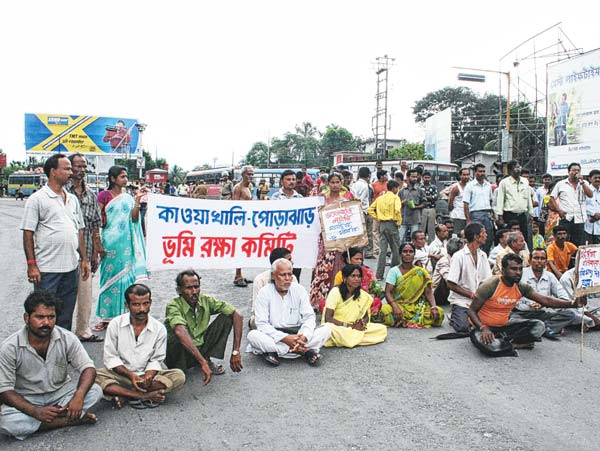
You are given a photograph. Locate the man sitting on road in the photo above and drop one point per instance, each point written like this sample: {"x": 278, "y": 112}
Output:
{"x": 285, "y": 320}
{"x": 266, "y": 277}
{"x": 544, "y": 282}
{"x": 191, "y": 340}
{"x": 134, "y": 350}
{"x": 493, "y": 332}
{"x": 515, "y": 244}
{"x": 560, "y": 252}
{"x": 501, "y": 239}
{"x": 35, "y": 388}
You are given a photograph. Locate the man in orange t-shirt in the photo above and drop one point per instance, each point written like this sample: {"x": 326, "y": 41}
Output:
{"x": 493, "y": 332}
{"x": 560, "y": 252}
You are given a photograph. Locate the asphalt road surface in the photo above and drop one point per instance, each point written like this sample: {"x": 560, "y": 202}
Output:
{"x": 409, "y": 393}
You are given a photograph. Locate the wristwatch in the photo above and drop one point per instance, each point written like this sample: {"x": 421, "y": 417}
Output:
{"x": 235, "y": 352}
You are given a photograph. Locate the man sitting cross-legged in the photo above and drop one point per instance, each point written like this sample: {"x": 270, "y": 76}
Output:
{"x": 134, "y": 350}
{"x": 191, "y": 341}
{"x": 285, "y": 320}
{"x": 35, "y": 388}
{"x": 493, "y": 333}
{"x": 544, "y": 282}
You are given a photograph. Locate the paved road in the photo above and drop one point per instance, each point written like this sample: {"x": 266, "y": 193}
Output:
{"x": 408, "y": 393}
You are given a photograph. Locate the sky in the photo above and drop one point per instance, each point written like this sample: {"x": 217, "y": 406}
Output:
{"x": 211, "y": 78}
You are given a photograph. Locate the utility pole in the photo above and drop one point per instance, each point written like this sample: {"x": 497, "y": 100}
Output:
{"x": 379, "y": 122}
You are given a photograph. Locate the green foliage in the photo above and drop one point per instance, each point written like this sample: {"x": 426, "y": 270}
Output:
{"x": 176, "y": 174}
{"x": 258, "y": 155}
{"x": 475, "y": 118}
{"x": 409, "y": 151}
{"x": 306, "y": 146}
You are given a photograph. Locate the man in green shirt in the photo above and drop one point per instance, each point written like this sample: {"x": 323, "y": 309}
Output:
{"x": 191, "y": 340}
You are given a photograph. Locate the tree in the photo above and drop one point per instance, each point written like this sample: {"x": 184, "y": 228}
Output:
{"x": 258, "y": 155}
{"x": 336, "y": 139}
{"x": 176, "y": 175}
{"x": 475, "y": 119}
{"x": 409, "y": 151}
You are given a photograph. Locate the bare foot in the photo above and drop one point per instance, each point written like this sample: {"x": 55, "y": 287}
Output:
{"x": 524, "y": 346}
{"x": 156, "y": 396}
{"x": 89, "y": 418}
{"x": 118, "y": 402}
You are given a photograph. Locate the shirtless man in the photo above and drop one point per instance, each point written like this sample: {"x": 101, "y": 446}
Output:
{"x": 241, "y": 191}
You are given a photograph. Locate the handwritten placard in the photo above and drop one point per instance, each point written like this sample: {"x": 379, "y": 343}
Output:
{"x": 218, "y": 234}
{"x": 587, "y": 270}
{"x": 343, "y": 226}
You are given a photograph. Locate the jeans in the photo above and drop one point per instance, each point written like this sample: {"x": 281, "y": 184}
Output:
{"x": 64, "y": 286}
{"x": 411, "y": 228}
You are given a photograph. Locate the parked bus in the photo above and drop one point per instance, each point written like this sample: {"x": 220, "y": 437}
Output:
{"x": 28, "y": 182}
{"x": 272, "y": 176}
{"x": 212, "y": 179}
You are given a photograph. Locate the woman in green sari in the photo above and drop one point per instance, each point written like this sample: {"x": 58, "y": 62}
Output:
{"x": 410, "y": 301}
{"x": 123, "y": 241}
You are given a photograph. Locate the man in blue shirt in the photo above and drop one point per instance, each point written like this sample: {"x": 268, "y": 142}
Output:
{"x": 477, "y": 202}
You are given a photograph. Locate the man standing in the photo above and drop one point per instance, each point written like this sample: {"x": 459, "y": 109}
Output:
{"x": 477, "y": 203}
{"x": 455, "y": 201}
{"x": 91, "y": 243}
{"x": 134, "y": 351}
{"x": 285, "y": 320}
{"x": 387, "y": 211}
{"x": 592, "y": 210}
{"x": 53, "y": 238}
{"x": 307, "y": 180}
{"x": 379, "y": 187}
{"x": 191, "y": 341}
{"x": 513, "y": 199}
{"x": 362, "y": 191}
{"x": 226, "y": 187}
{"x": 413, "y": 202}
{"x": 429, "y": 212}
{"x": 560, "y": 252}
{"x": 378, "y": 167}
{"x": 287, "y": 182}
{"x": 493, "y": 333}
{"x": 571, "y": 194}
{"x": 545, "y": 283}
{"x": 35, "y": 388}
{"x": 242, "y": 191}
{"x": 468, "y": 268}
{"x": 540, "y": 193}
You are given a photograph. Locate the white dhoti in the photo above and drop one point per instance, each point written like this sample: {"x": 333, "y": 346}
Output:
{"x": 261, "y": 343}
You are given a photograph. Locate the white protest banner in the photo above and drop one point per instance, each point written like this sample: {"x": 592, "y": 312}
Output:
{"x": 587, "y": 270}
{"x": 343, "y": 226}
{"x": 219, "y": 234}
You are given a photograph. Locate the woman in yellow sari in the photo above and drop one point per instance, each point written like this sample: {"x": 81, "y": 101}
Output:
{"x": 347, "y": 312}
{"x": 410, "y": 301}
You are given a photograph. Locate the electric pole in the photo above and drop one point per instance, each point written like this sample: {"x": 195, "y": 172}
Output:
{"x": 379, "y": 122}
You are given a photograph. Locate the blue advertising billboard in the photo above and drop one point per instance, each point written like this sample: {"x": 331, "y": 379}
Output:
{"x": 49, "y": 133}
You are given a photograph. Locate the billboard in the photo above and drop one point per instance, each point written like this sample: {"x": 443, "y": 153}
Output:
{"x": 95, "y": 135}
{"x": 573, "y": 113}
{"x": 438, "y": 135}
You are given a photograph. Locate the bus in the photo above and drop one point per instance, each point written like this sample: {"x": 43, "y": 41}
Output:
{"x": 29, "y": 182}
{"x": 442, "y": 173}
{"x": 212, "y": 177}
{"x": 272, "y": 176}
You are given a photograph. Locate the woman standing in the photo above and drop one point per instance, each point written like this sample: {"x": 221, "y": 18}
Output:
{"x": 328, "y": 262}
{"x": 125, "y": 259}
{"x": 410, "y": 301}
{"x": 347, "y": 311}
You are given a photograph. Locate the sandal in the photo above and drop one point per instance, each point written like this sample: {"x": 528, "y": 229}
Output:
{"x": 137, "y": 404}
{"x": 217, "y": 370}
{"x": 92, "y": 339}
{"x": 248, "y": 280}
{"x": 240, "y": 283}
{"x": 271, "y": 358}
{"x": 102, "y": 325}
{"x": 151, "y": 404}
{"x": 312, "y": 357}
